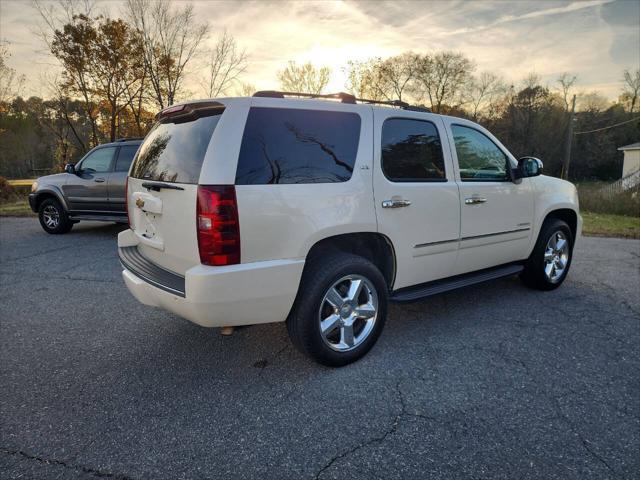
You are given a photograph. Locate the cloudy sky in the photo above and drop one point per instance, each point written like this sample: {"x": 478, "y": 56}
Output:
{"x": 593, "y": 39}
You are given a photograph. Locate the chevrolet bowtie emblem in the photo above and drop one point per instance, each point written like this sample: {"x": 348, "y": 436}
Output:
{"x": 139, "y": 203}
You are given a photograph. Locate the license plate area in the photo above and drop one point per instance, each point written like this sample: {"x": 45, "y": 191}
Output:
{"x": 147, "y": 219}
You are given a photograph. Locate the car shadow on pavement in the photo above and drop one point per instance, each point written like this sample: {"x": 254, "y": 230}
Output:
{"x": 97, "y": 229}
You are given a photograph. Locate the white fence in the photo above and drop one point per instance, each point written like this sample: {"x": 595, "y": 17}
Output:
{"x": 625, "y": 183}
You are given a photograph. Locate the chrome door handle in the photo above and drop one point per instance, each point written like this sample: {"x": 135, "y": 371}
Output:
{"x": 474, "y": 200}
{"x": 395, "y": 203}
{"x": 99, "y": 180}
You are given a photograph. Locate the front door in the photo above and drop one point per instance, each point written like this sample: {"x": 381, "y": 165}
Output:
{"x": 117, "y": 180}
{"x": 496, "y": 211}
{"x": 86, "y": 191}
{"x": 416, "y": 196}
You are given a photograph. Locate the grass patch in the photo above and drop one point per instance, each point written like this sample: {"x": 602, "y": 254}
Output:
{"x": 16, "y": 208}
{"x": 608, "y": 225}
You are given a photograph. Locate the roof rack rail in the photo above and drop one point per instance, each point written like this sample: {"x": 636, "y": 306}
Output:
{"x": 343, "y": 97}
{"x": 128, "y": 139}
{"x": 396, "y": 103}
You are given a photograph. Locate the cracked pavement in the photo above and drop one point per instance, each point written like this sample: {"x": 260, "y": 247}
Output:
{"x": 494, "y": 381}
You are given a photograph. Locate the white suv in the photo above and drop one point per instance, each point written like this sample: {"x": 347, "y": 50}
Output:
{"x": 318, "y": 212}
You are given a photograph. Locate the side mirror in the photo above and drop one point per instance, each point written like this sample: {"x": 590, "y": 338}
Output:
{"x": 529, "y": 167}
{"x": 70, "y": 168}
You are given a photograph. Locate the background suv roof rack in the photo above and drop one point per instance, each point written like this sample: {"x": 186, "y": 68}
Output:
{"x": 343, "y": 97}
{"x": 128, "y": 139}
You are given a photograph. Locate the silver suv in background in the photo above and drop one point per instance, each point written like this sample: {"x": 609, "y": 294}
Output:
{"x": 92, "y": 189}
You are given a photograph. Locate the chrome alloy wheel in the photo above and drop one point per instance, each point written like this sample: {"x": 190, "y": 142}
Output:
{"x": 556, "y": 256}
{"x": 51, "y": 216}
{"x": 348, "y": 313}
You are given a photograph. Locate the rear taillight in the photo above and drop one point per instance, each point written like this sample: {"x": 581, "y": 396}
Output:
{"x": 126, "y": 200}
{"x": 218, "y": 225}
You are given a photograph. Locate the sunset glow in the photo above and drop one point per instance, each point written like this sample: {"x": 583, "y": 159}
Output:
{"x": 595, "y": 40}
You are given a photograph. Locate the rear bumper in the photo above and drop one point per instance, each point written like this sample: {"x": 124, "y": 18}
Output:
{"x": 244, "y": 294}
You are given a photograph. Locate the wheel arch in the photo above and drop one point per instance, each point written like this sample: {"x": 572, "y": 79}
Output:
{"x": 374, "y": 246}
{"x": 568, "y": 215}
{"x": 49, "y": 193}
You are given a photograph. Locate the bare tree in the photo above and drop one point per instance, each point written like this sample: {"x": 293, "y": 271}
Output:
{"x": 566, "y": 82}
{"x": 383, "y": 79}
{"x": 631, "y": 89}
{"x": 361, "y": 79}
{"x": 304, "y": 78}
{"x": 443, "y": 79}
{"x": 60, "y": 98}
{"x": 246, "y": 90}
{"x": 484, "y": 91}
{"x": 171, "y": 38}
{"x": 226, "y": 64}
{"x": 136, "y": 98}
{"x": 10, "y": 82}
{"x": 532, "y": 80}
{"x": 394, "y": 76}
{"x": 55, "y": 14}
{"x": 592, "y": 102}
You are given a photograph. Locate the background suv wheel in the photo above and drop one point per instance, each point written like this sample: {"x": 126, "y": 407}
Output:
{"x": 53, "y": 217}
{"x": 340, "y": 309}
{"x": 549, "y": 263}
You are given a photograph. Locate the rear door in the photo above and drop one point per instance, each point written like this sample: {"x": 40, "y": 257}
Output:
{"x": 163, "y": 185}
{"x": 117, "y": 179}
{"x": 416, "y": 196}
{"x": 496, "y": 211}
{"x": 87, "y": 190}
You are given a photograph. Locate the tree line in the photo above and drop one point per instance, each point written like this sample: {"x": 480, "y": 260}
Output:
{"x": 118, "y": 72}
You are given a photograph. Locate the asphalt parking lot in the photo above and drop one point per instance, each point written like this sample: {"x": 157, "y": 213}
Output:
{"x": 496, "y": 381}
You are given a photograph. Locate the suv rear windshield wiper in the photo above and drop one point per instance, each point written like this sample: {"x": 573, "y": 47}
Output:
{"x": 158, "y": 186}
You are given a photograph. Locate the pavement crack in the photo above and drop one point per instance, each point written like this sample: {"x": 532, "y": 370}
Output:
{"x": 52, "y": 461}
{"x": 554, "y": 399}
{"x": 586, "y": 446}
{"x": 583, "y": 441}
{"x": 393, "y": 427}
{"x": 377, "y": 439}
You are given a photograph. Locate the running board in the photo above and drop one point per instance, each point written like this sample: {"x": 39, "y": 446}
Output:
{"x": 417, "y": 292}
{"x": 100, "y": 218}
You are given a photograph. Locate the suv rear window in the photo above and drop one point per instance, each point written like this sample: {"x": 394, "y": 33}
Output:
{"x": 284, "y": 145}
{"x": 174, "y": 152}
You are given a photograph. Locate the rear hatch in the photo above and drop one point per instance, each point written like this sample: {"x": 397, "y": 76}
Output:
{"x": 162, "y": 188}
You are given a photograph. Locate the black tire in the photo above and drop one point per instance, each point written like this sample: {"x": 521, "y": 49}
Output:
{"x": 534, "y": 275}
{"x": 319, "y": 277}
{"x": 51, "y": 206}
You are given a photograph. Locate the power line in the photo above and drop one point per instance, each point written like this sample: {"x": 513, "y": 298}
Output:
{"x": 606, "y": 128}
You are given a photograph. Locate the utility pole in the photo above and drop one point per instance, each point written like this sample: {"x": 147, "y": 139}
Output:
{"x": 567, "y": 142}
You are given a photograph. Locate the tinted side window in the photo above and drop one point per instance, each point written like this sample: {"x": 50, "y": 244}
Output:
{"x": 282, "y": 145}
{"x": 125, "y": 156}
{"x": 174, "y": 152}
{"x": 411, "y": 151}
{"x": 479, "y": 158}
{"x": 98, "y": 161}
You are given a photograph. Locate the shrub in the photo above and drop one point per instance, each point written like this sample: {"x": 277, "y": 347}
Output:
{"x": 7, "y": 192}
